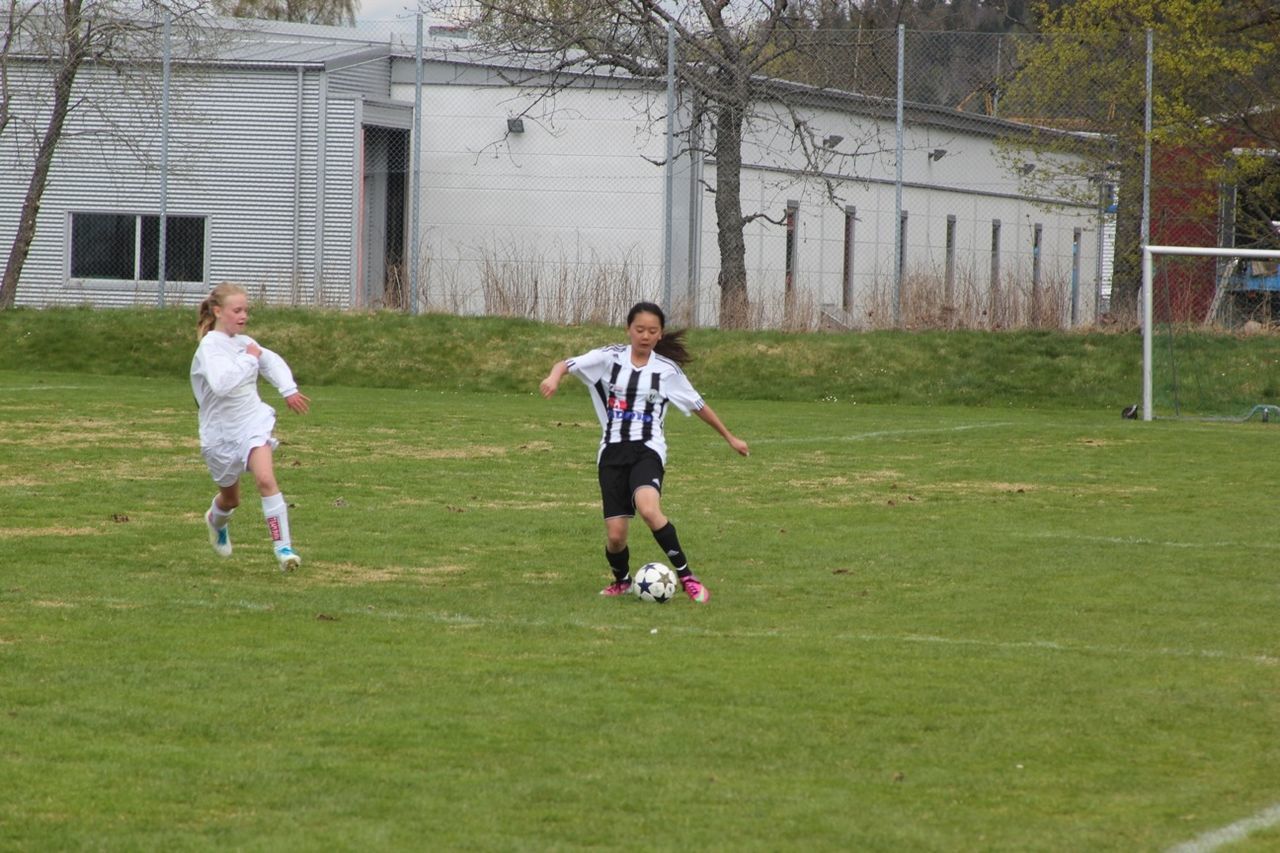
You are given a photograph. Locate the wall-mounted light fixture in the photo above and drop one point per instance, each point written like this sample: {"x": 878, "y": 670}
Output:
{"x": 1027, "y": 168}
{"x": 832, "y": 141}
{"x": 937, "y": 154}
{"x": 515, "y": 125}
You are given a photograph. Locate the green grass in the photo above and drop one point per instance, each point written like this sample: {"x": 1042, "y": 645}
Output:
{"x": 1097, "y": 371}
{"x": 1009, "y": 626}
{"x": 1195, "y": 374}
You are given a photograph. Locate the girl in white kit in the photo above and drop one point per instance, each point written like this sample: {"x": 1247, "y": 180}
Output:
{"x": 235, "y": 425}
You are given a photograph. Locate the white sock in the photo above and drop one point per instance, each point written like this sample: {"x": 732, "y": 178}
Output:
{"x": 219, "y": 516}
{"x": 276, "y": 511}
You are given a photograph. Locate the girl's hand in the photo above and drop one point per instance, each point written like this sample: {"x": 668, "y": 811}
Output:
{"x": 739, "y": 445}
{"x": 299, "y": 402}
{"x": 253, "y": 350}
{"x": 548, "y": 387}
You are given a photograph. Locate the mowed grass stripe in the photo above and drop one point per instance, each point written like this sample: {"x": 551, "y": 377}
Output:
{"x": 659, "y": 626}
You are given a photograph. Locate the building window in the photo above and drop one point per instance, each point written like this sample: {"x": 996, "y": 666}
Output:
{"x": 126, "y": 247}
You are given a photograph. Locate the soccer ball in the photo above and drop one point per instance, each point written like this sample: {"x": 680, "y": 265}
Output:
{"x": 655, "y": 582}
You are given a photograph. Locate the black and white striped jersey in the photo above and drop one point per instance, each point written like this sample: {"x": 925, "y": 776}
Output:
{"x": 631, "y": 402}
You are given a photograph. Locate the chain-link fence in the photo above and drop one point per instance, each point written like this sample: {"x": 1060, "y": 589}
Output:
{"x": 566, "y": 193}
{"x": 842, "y": 179}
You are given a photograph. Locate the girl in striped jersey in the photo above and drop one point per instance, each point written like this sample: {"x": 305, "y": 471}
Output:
{"x": 631, "y": 386}
{"x": 235, "y": 425}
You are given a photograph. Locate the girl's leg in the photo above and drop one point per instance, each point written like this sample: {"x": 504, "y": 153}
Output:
{"x": 219, "y": 515}
{"x": 274, "y": 508}
{"x": 648, "y": 502}
{"x": 618, "y": 555}
{"x": 224, "y": 503}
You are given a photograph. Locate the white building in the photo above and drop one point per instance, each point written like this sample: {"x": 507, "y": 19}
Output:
{"x": 290, "y": 171}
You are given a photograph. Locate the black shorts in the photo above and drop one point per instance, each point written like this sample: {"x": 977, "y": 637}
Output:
{"x": 623, "y": 469}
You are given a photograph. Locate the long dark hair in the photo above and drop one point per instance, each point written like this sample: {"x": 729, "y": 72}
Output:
{"x": 671, "y": 345}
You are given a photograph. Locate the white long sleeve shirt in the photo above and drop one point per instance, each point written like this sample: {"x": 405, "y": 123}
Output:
{"x": 224, "y": 379}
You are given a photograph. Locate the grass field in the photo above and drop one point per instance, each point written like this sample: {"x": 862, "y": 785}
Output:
{"x": 932, "y": 628}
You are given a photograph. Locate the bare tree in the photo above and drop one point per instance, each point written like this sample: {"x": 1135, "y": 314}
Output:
{"x": 13, "y": 19}
{"x": 725, "y": 66}
{"x": 333, "y": 12}
{"x": 54, "y": 41}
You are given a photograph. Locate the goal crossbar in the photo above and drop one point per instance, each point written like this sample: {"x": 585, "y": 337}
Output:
{"x": 1148, "y": 302}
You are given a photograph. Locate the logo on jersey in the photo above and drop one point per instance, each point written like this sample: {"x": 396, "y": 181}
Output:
{"x": 642, "y": 417}
{"x": 620, "y": 411}
{"x": 619, "y": 393}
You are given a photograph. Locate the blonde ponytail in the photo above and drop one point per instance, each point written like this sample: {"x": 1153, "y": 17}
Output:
{"x": 216, "y": 299}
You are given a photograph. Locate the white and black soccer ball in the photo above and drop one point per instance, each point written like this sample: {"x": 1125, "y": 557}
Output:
{"x": 655, "y": 582}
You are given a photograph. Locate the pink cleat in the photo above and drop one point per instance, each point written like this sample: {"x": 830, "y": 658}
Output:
{"x": 616, "y": 588}
{"x": 695, "y": 590}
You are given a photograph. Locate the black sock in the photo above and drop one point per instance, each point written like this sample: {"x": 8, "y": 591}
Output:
{"x": 619, "y": 562}
{"x": 670, "y": 543}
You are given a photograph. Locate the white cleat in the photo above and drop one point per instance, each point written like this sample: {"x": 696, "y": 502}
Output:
{"x": 219, "y": 537}
{"x": 287, "y": 559}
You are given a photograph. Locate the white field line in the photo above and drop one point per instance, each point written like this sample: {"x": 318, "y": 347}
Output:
{"x": 1139, "y": 540}
{"x": 1237, "y": 831}
{"x": 454, "y": 618}
{"x": 4, "y": 389}
{"x": 884, "y": 433}
{"x": 1050, "y": 645}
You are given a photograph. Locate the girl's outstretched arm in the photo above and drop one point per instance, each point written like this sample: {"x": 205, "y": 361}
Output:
{"x": 549, "y": 385}
{"x": 709, "y": 416}
{"x": 298, "y": 402}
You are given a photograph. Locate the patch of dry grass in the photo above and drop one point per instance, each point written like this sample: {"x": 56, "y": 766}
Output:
{"x": 327, "y": 573}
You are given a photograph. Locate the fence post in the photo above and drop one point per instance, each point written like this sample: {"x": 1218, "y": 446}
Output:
{"x": 846, "y": 282}
{"x": 295, "y": 259}
{"x": 693, "y": 263}
{"x": 668, "y": 226}
{"x": 789, "y": 283}
{"x": 415, "y": 182}
{"x": 1037, "y": 268}
{"x": 949, "y": 272}
{"x": 994, "y": 318}
{"x": 1104, "y": 198}
{"x": 322, "y": 124}
{"x": 163, "y": 259}
{"x": 897, "y": 180}
{"x": 1075, "y": 276}
{"x": 1146, "y": 155}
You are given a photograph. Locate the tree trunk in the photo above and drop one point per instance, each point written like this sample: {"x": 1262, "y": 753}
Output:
{"x": 1126, "y": 272}
{"x": 63, "y": 83}
{"x": 729, "y": 219}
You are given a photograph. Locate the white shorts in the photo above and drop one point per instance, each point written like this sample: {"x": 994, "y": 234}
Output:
{"x": 227, "y": 461}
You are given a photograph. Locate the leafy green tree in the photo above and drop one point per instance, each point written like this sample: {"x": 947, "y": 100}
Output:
{"x": 1212, "y": 65}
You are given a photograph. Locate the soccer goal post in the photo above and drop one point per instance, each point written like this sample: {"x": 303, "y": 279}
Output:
{"x": 1199, "y": 286}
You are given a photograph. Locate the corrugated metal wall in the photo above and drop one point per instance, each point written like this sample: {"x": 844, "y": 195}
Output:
{"x": 244, "y": 147}
{"x": 371, "y": 78}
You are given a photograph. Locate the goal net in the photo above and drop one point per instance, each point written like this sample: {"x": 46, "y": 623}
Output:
{"x": 1194, "y": 300}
